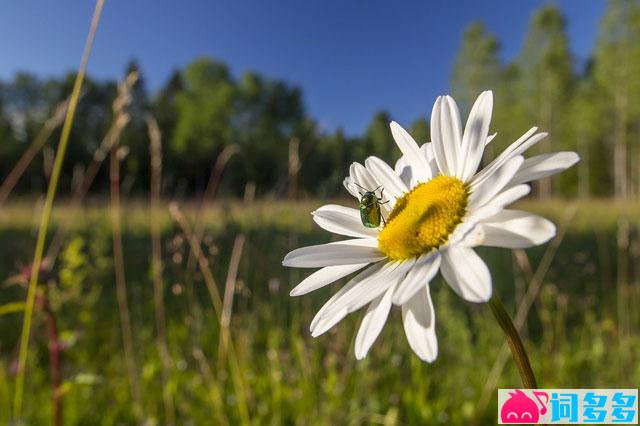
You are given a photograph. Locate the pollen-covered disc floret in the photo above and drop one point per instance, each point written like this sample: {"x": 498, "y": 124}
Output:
{"x": 423, "y": 219}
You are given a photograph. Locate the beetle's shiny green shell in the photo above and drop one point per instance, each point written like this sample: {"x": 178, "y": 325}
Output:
{"x": 370, "y": 210}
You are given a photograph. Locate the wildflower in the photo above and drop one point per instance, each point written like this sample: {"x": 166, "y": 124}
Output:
{"x": 440, "y": 207}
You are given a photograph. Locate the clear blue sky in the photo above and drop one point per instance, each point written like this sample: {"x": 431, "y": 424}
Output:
{"x": 350, "y": 57}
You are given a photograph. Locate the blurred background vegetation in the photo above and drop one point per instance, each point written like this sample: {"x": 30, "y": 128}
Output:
{"x": 214, "y": 337}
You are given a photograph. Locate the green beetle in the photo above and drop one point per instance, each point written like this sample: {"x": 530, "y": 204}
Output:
{"x": 370, "y": 207}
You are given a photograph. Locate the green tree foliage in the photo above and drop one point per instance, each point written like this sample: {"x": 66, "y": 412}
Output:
{"x": 377, "y": 139}
{"x": 476, "y": 67}
{"x": 546, "y": 77}
{"x": 617, "y": 61}
{"x": 204, "y": 109}
{"x": 420, "y": 131}
{"x": 510, "y": 119}
{"x": 8, "y": 145}
{"x": 325, "y": 170}
{"x": 164, "y": 107}
{"x": 269, "y": 114}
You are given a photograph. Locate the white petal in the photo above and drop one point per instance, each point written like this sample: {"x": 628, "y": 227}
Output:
{"x": 475, "y": 134}
{"x": 452, "y": 131}
{"x": 427, "y": 151}
{"x": 400, "y": 165}
{"x": 323, "y": 277}
{"x": 544, "y": 165}
{"x": 500, "y": 201}
{"x": 491, "y": 138}
{"x": 517, "y": 229}
{"x": 347, "y": 252}
{"x": 361, "y": 277}
{"x": 419, "y": 167}
{"x": 473, "y": 237}
{"x": 386, "y": 177}
{"x": 461, "y": 231}
{"x": 466, "y": 273}
{"x": 361, "y": 176}
{"x": 494, "y": 183}
{"x": 446, "y": 135}
{"x": 421, "y": 273}
{"x": 439, "y": 143}
{"x": 525, "y": 142}
{"x": 372, "y": 323}
{"x": 342, "y": 220}
{"x": 361, "y": 294}
{"x": 404, "y": 171}
{"x": 351, "y": 187}
{"x": 419, "y": 321}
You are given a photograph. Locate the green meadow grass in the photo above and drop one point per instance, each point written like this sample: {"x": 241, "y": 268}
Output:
{"x": 581, "y": 331}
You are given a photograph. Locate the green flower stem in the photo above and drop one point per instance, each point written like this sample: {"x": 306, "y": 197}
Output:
{"x": 46, "y": 215}
{"x": 515, "y": 343}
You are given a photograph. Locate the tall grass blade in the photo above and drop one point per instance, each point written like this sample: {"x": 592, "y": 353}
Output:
{"x": 46, "y": 213}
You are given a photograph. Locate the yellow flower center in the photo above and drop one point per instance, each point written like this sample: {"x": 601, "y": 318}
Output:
{"x": 424, "y": 218}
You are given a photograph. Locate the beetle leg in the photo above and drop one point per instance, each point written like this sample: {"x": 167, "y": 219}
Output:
{"x": 382, "y": 197}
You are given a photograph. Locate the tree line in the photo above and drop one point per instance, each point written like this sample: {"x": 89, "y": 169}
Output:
{"x": 260, "y": 126}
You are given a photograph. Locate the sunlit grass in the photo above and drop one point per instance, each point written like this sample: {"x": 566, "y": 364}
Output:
{"x": 590, "y": 214}
{"x": 572, "y": 332}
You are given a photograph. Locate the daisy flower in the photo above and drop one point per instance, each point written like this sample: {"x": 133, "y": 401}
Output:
{"x": 440, "y": 207}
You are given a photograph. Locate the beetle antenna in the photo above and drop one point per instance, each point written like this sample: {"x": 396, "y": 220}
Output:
{"x": 365, "y": 189}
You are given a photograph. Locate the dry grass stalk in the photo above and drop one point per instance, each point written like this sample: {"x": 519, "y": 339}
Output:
{"x": 622, "y": 280}
{"x": 155, "y": 143}
{"x": 216, "y": 301}
{"x": 294, "y": 168}
{"x": 120, "y": 121}
{"x": 208, "y": 196}
{"x": 230, "y": 284}
{"x": 30, "y": 153}
{"x": 121, "y": 116}
{"x": 121, "y": 287}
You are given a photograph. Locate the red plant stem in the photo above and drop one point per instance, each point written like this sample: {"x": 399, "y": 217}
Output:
{"x": 54, "y": 360}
